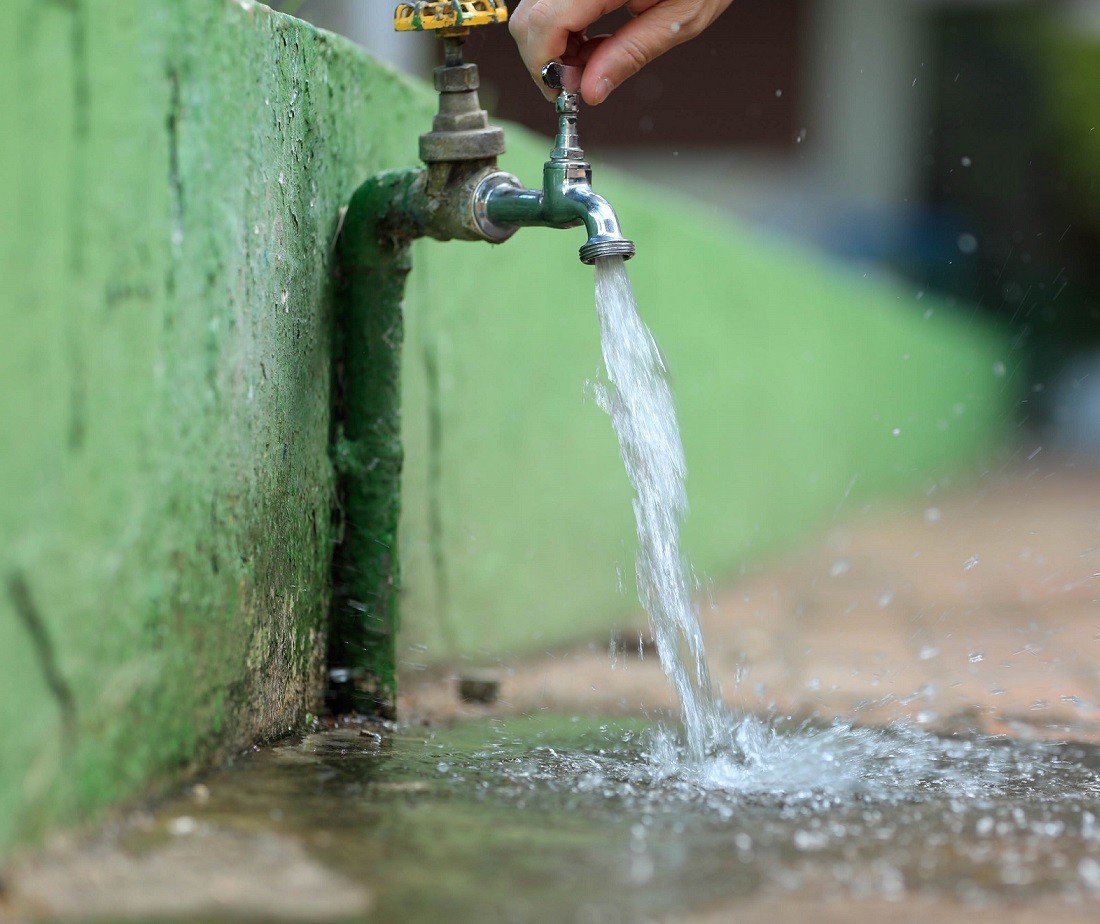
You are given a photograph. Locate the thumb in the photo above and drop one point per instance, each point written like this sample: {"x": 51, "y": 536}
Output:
{"x": 637, "y": 42}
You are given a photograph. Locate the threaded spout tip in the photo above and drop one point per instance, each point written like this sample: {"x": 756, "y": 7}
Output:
{"x": 612, "y": 247}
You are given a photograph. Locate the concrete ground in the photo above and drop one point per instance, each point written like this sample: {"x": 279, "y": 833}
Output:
{"x": 974, "y": 608}
{"x": 969, "y": 608}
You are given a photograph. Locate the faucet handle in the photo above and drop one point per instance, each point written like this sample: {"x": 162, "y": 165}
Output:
{"x": 566, "y": 79}
{"x": 562, "y": 77}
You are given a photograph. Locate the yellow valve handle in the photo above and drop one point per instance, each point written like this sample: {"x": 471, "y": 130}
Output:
{"x": 451, "y": 17}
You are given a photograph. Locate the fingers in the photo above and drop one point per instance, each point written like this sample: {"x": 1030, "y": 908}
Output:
{"x": 545, "y": 30}
{"x": 588, "y": 48}
{"x": 637, "y": 7}
{"x": 658, "y": 26}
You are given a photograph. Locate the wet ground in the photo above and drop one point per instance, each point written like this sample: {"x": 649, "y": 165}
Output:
{"x": 966, "y": 614}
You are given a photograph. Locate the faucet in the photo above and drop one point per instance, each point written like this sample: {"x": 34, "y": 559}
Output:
{"x": 566, "y": 198}
{"x": 462, "y": 194}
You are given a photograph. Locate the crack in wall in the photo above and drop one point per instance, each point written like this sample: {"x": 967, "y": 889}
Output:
{"x": 175, "y": 181}
{"x": 46, "y": 655}
{"x": 82, "y": 123}
{"x": 81, "y": 94}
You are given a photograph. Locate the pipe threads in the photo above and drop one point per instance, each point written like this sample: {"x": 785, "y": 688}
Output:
{"x": 616, "y": 247}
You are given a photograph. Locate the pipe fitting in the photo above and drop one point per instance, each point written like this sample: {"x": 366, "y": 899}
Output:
{"x": 490, "y": 229}
{"x": 450, "y": 201}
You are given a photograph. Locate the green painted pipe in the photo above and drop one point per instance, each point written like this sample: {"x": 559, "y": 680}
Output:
{"x": 381, "y": 222}
{"x": 384, "y": 216}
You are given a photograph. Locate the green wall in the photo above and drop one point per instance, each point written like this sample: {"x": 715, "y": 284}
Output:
{"x": 170, "y": 203}
{"x": 791, "y": 374}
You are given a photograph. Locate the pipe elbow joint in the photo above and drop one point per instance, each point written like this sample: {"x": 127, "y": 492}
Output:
{"x": 605, "y": 235}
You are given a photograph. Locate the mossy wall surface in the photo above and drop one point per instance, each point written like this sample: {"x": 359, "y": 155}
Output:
{"x": 172, "y": 178}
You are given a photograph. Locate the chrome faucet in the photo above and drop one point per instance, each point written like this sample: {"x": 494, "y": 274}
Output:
{"x": 502, "y": 204}
{"x": 462, "y": 194}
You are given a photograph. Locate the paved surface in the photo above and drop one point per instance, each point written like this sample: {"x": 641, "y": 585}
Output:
{"x": 971, "y": 609}
{"x": 975, "y": 608}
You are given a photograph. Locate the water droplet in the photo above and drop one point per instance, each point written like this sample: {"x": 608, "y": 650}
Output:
{"x": 885, "y": 600}
{"x": 928, "y": 652}
{"x": 971, "y": 563}
{"x": 896, "y": 431}
{"x": 965, "y": 161}
{"x": 932, "y": 515}
{"x": 975, "y": 656}
{"x": 839, "y": 567}
{"x": 967, "y": 243}
{"x": 778, "y": 93}
{"x": 999, "y": 369}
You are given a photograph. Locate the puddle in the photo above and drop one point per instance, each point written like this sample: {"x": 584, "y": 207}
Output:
{"x": 555, "y": 818}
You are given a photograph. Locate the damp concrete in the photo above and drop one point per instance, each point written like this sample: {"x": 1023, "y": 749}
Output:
{"x": 967, "y": 616}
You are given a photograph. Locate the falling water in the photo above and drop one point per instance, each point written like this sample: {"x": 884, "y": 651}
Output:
{"x": 744, "y": 753}
{"x": 639, "y": 401}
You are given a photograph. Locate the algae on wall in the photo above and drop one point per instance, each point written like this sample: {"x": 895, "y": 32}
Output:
{"x": 172, "y": 180}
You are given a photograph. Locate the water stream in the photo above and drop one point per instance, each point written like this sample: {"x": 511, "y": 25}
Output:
{"x": 745, "y": 753}
{"x": 637, "y": 396}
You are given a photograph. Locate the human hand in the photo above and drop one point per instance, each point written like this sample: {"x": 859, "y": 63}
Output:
{"x": 549, "y": 30}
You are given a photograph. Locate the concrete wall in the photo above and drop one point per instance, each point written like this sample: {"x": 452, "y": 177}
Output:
{"x": 172, "y": 175}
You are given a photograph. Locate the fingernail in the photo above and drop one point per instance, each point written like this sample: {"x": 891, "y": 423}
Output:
{"x": 603, "y": 89}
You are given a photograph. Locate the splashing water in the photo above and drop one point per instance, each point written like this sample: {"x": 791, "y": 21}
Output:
{"x": 721, "y": 751}
{"x": 639, "y": 401}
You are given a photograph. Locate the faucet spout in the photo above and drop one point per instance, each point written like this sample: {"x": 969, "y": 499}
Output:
{"x": 605, "y": 236}
{"x": 566, "y": 198}
{"x": 502, "y": 203}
